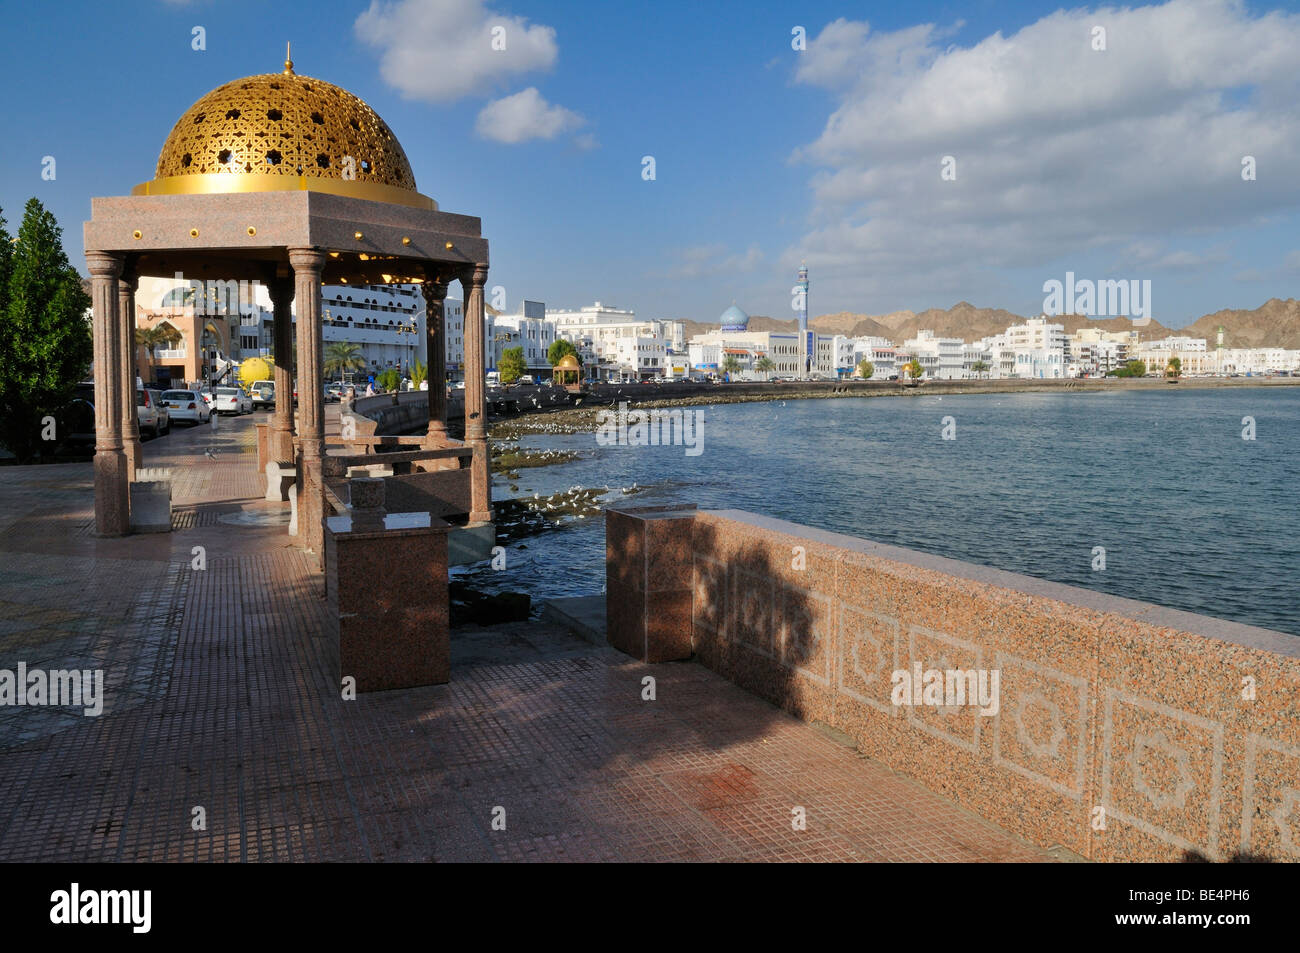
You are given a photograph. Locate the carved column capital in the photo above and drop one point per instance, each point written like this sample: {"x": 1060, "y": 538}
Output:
{"x": 308, "y": 259}
{"x": 434, "y": 289}
{"x": 105, "y": 264}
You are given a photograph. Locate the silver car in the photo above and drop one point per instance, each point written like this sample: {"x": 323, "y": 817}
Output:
{"x": 151, "y": 411}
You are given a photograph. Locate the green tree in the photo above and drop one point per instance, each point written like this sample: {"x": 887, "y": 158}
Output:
{"x": 342, "y": 357}
{"x": 765, "y": 365}
{"x": 388, "y": 380}
{"x": 512, "y": 365}
{"x": 419, "y": 374}
{"x": 979, "y": 367}
{"x": 1174, "y": 368}
{"x": 866, "y": 369}
{"x": 558, "y": 349}
{"x": 914, "y": 369}
{"x": 45, "y": 340}
{"x": 730, "y": 365}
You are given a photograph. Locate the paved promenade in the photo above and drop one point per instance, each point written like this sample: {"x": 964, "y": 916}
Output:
{"x": 221, "y": 695}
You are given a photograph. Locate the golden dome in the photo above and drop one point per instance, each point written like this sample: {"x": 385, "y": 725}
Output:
{"x": 568, "y": 363}
{"x": 282, "y": 131}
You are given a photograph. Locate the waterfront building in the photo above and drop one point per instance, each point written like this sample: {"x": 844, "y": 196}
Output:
{"x": 942, "y": 358}
{"x": 221, "y": 323}
{"x": 1094, "y": 352}
{"x": 529, "y": 330}
{"x": 1190, "y": 352}
{"x": 386, "y": 322}
{"x": 1253, "y": 360}
{"x": 617, "y": 344}
{"x": 785, "y": 349}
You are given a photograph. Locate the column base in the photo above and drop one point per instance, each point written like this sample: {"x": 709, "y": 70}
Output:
{"x": 112, "y": 493}
{"x": 311, "y": 512}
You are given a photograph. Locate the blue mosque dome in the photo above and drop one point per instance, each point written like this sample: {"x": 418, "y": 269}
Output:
{"x": 733, "y": 319}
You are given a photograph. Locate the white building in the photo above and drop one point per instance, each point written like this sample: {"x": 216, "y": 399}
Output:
{"x": 618, "y": 344}
{"x": 942, "y": 358}
{"x": 1034, "y": 349}
{"x": 1094, "y": 352}
{"x": 385, "y": 321}
{"x": 529, "y": 330}
{"x": 880, "y": 352}
{"x": 708, "y": 352}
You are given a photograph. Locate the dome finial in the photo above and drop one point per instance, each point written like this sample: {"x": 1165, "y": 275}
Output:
{"x": 288, "y": 63}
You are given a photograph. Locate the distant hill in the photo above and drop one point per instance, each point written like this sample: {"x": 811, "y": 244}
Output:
{"x": 1275, "y": 323}
{"x": 963, "y": 320}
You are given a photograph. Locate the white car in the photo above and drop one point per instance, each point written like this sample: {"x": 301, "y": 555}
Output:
{"x": 231, "y": 400}
{"x": 187, "y": 405}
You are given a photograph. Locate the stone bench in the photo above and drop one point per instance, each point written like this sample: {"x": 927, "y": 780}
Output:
{"x": 280, "y": 478}
{"x": 151, "y": 500}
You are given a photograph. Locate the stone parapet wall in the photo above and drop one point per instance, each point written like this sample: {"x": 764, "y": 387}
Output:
{"x": 1124, "y": 731}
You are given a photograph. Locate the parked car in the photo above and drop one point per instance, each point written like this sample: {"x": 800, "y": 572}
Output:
{"x": 187, "y": 405}
{"x": 231, "y": 400}
{"x": 77, "y": 417}
{"x": 527, "y": 379}
{"x": 152, "y": 412}
{"x": 262, "y": 393}
{"x": 206, "y": 393}
{"x": 333, "y": 393}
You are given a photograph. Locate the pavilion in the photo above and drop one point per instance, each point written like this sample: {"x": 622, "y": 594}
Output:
{"x": 296, "y": 183}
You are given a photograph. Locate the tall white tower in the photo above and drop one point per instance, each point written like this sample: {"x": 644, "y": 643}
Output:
{"x": 801, "y": 290}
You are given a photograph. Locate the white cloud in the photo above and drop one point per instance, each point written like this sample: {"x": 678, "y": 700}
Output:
{"x": 442, "y": 50}
{"x": 1060, "y": 150}
{"x": 525, "y": 115}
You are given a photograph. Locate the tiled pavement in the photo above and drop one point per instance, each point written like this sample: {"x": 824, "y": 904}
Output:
{"x": 220, "y": 696}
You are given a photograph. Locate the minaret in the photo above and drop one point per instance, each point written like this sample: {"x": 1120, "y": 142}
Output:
{"x": 804, "y": 336}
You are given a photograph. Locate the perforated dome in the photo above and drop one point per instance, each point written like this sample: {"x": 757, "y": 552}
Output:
{"x": 283, "y": 131}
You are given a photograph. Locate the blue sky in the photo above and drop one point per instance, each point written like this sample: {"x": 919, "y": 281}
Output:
{"x": 1115, "y": 163}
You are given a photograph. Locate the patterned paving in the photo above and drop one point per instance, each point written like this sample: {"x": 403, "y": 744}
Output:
{"x": 224, "y": 736}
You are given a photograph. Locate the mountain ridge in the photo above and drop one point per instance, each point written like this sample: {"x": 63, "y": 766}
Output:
{"x": 1275, "y": 323}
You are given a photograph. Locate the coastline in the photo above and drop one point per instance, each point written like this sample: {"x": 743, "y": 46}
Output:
{"x": 569, "y": 419}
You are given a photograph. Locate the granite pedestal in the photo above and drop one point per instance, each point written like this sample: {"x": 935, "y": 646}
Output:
{"x": 387, "y": 586}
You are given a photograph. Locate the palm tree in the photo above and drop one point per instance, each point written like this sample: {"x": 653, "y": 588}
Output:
{"x": 979, "y": 367}
{"x": 419, "y": 374}
{"x": 730, "y": 365}
{"x": 765, "y": 365}
{"x": 866, "y": 369}
{"x": 1174, "y": 368}
{"x": 342, "y": 357}
{"x": 162, "y": 335}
